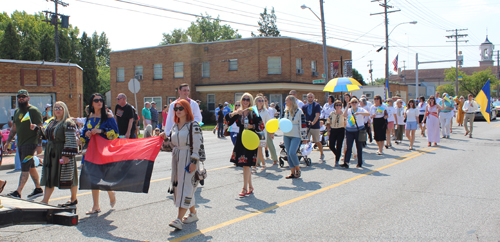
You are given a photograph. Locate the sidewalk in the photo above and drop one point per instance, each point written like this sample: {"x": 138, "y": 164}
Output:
{"x": 8, "y": 161}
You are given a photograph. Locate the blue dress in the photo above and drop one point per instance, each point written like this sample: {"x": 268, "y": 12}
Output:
{"x": 109, "y": 126}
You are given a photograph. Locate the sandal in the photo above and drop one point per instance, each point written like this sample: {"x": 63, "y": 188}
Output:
{"x": 297, "y": 174}
{"x": 250, "y": 191}
{"x": 291, "y": 176}
{"x": 69, "y": 203}
{"x": 429, "y": 145}
{"x": 243, "y": 192}
{"x": 93, "y": 211}
{"x": 254, "y": 169}
{"x": 1, "y": 188}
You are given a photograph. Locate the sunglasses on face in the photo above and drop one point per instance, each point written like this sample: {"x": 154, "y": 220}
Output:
{"x": 178, "y": 108}
{"x": 98, "y": 100}
{"x": 58, "y": 109}
{"x": 338, "y": 105}
{"x": 354, "y": 103}
{"x": 21, "y": 96}
{"x": 246, "y": 99}
{"x": 260, "y": 100}
{"x": 118, "y": 98}
{"x": 377, "y": 98}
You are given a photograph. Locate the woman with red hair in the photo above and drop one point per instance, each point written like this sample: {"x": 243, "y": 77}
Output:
{"x": 185, "y": 162}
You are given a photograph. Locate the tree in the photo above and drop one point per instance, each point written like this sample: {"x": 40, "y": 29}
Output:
{"x": 358, "y": 77}
{"x": 30, "y": 49}
{"x": 206, "y": 29}
{"x": 47, "y": 47}
{"x": 447, "y": 88}
{"x": 89, "y": 65}
{"x": 471, "y": 83}
{"x": 10, "y": 44}
{"x": 379, "y": 81}
{"x": 267, "y": 25}
{"x": 176, "y": 36}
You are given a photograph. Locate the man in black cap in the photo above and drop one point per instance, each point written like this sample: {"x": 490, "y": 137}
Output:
{"x": 154, "y": 115}
{"x": 27, "y": 121}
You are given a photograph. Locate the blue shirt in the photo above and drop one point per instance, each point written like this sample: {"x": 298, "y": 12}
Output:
{"x": 226, "y": 110}
{"x": 446, "y": 104}
{"x": 310, "y": 110}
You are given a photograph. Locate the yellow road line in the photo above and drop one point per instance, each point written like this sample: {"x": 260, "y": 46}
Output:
{"x": 218, "y": 226}
{"x": 496, "y": 125}
{"x": 157, "y": 180}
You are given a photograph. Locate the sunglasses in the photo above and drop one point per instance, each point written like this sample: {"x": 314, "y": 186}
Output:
{"x": 338, "y": 105}
{"x": 354, "y": 103}
{"x": 178, "y": 109}
{"x": 260, "y": 100}
{"x": 98, "y": 100}
{"x": 58, "y": 109}
{"x": 246, "y": 99}
{"x": 118, "y": 98}
{"x": 21, "y": 96}
{"x": 377, "y": 98}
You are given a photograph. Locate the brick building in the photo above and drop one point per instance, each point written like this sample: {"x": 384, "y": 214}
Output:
{"x": 223, "y": 70}
{"x": 47, "y": 82}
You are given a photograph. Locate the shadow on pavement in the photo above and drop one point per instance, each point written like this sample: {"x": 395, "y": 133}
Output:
{"x": 300, "y": 185}
{"x": 199, "y": 199}
{"x": 254, "y": 204}
{"x": 99, "y": 227}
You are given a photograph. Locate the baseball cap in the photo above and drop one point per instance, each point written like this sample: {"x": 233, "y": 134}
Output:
{"x": 226, "y": 103}
{"x": 48, "y": 105}
{"x": 153, "y": 102}
{"x": 23, "y": 92}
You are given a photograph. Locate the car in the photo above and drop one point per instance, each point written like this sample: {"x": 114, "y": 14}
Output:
{"x": 493, "y": 113}
{"x": 497, "y": 106}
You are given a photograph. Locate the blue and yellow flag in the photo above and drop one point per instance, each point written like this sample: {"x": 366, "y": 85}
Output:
{"x": 46, "y": 123}
{"x": 381, "y": 108}
{"x": 351, "y": 120}
{"x": 27, "y": 158}
{"x": 26, "y": 117}
{"x": 386, "y": 89}
{"x": 483, "y": 99}
{"x": 255, "y": 110}
{"x": 447, "y": 98}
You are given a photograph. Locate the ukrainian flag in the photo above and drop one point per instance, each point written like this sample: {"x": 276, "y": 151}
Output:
{"x": 483, "y": 99}
{"x": 255, "y": 110}
{"x": 381, "y": 109}
{"x": 46, "y": 123}
{"x": 351, "y": 120}
{"x": 446, "y": 97}
{"x": 386, "y": 89}
{"x": 26, "y": 117}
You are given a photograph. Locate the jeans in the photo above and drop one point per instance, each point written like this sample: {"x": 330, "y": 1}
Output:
{"x": 220, "y": 131}
{"x": 233, "y": 137}
{"x": 292, "y": 145}
{"x": 272, "y": 149}
{"x": 336, "y": 140}
{"x": 154, "y": 124}
{"x": 445, "y": 121}
{"x": 350, "y": 137}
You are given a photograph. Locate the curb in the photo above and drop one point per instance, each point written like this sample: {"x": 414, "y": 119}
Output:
{"x": 12, "y": 166}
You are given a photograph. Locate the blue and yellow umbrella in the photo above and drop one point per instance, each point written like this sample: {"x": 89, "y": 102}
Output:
{"x": 342, "y": 84}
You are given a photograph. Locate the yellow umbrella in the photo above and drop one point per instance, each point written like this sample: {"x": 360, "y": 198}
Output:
{"x": 342, "y": 84}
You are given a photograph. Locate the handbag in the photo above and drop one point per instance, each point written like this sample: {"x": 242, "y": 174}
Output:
{"x": 226, "y": 132}
{"x": 199, "y": 174}
{"x": 362, "y": 132}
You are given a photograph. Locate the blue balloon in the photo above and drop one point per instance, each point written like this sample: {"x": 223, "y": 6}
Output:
{"x": 286, "y": 125}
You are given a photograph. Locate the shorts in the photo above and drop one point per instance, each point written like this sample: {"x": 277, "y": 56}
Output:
{"x": 421, "y": 118}
{"x": 26, "y": 150}
{"x": 411, "y": 125}
{"x": 315, "y": 135}
{"x": 390, "y": 125}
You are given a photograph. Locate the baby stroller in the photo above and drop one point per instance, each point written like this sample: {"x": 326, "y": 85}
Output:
{"x": 284, "y": 156}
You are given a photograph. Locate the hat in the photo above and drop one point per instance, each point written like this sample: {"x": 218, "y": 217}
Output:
{"x": 48, "y": 105}
{"x": 23, "y": 92}
{"x": 153, "y": 102}
{"x": 226, "y": 103}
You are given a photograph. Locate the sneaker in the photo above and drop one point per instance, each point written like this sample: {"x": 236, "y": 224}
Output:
{"x": 176, "y": 224}
{"x": 267, "y": 153}
{"x": 14, "y": 194}
{"x": 36, "y": 193}
{"x": 322, "y": 157}
{"x": 192, "y": 217}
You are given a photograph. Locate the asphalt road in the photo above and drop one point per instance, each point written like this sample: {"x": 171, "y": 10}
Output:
{"x": 444, "y": 193}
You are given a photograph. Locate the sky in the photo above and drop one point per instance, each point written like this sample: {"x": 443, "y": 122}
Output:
{"x": 348, "y": 24}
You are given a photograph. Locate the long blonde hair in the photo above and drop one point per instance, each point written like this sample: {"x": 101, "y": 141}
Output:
{"x": 290, "y": 111}
{"x": 246, "y": 94}
{"x": 66, "y": 115}
{"x": 256, "y": 100}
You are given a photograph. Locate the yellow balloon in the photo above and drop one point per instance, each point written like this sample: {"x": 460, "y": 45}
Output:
{"x": 250, "y": 139}
{"x": 272, "y": 125}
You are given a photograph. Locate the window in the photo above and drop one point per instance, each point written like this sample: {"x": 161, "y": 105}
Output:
{"x": 138, "y": 70}
{"x": 211, "y": 102}
{"x": 237, "y": 96}
{"x": 170, "y": 100}
{"x": 313, "y": 66}
{"x": 178, "y": 69}
{"x": 233, "y": 64}
{"x": 304, "y": 97}
{"x": 158, "y": 71}
{"x": 157, "y": 101}
{"x": 205, "y": 69}
{"x": 369, "y": 94}
{"x": 120, "y": 74}
{"x": 273, "y": 65}
{"x": 298, "y": 63}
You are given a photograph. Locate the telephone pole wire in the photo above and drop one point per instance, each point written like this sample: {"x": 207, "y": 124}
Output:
{"x": 456, "y": 36}
{"x": 55, "y": 21}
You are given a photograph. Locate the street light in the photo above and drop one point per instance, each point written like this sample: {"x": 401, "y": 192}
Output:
{"x": 387, "y": 48}
{"x": 322, "y": 20}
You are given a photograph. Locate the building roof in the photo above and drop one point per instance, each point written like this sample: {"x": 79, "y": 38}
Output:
{"x": 432, "y": 75}
{"x": 214, "y": 42}
{"x": 40, "y": 63}
{"x": 487, "y": 41}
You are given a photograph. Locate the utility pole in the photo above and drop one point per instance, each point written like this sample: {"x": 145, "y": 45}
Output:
{"x": 385, "y": 6}
{"x": 498, "y": 65}
{"x": 325, "y": 58}
{"x": 404, "y": 71}
{"x": 371, "y": 72}
{"x": 54, "y": 21}
{"x": 456, "y": 36}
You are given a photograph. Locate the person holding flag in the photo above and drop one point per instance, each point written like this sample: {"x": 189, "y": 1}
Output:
{"x": 470, "y": 107}
{"x": 27, "y": 122}
{"x": 445, "y": 115}
{"x": 355, "y": 122}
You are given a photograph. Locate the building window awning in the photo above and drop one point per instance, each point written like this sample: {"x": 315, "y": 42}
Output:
{"x": 244, "y": 87}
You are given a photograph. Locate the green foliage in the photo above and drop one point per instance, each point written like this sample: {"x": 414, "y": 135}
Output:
{"x": 471, "y": 83}
{"x": 104, "y": 76}
{"x": 446, "y": 88}
{"x": 89, "y": 64}
{"x": 356, "y": 75}
{"x": 10, "y": 43}
{"x": 379, "y": 81}
{"x": 47, "y": 47}
{"x": 267, "y": 25}
{"x": 176, "y": 36}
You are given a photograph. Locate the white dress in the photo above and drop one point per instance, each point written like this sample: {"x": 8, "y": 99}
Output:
{"x": 184, "y": 183}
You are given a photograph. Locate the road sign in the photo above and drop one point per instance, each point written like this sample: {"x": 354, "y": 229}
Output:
{"x": 323, "y": 75}
{"x": 319, "y": 81}
{"x": 134, "y": 86}
{"x": 460, "y": 78}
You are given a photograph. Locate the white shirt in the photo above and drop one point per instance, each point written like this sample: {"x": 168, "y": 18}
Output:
{"x": 391, "y": 111}
{"x": 271, "y": 111}
{"x": 438, "y": 100}
{"x": 170, "y": 118}
{"x": 421, "y": 108}
{"x": 400, "y": 116}
{"x": 327, "y": 109}
{"x": 378, "y": 114}
{"x": 412, "y": 115}
{"x": 472, "y": 106}
{"x": 360, "y": 119}
{"x": 300, "y": 103}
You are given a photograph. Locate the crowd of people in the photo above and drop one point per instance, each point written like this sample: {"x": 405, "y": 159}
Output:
{"x": 345, "y": 125}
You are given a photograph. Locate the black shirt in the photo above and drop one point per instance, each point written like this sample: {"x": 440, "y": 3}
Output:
{"x": 220, "y": 116}
{"x": 123, "y": 116}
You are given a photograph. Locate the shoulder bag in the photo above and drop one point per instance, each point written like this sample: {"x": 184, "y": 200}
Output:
{"x": 200, "y": 174}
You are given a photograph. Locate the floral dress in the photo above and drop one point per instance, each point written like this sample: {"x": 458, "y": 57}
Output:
{"x": 241, "y": 156}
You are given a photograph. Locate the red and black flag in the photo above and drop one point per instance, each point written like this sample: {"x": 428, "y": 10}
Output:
{"x": 119, "y": 164}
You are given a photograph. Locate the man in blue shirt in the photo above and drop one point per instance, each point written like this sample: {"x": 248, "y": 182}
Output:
{"x": 446, "y": 115}
{"x": 226, "y": 109}
{"x": 312, "y": 111}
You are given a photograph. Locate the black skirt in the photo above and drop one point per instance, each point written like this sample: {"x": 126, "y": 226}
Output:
{"x": 379, "y": 128}
{"x": 421, "y": 118}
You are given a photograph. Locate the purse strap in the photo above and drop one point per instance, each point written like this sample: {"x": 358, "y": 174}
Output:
{"x": 356, "y": 122}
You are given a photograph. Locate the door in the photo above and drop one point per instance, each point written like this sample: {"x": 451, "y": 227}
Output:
{"x": 277, "y": 98}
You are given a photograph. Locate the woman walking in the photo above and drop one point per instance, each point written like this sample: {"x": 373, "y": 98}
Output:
{"x": 234, "y": 129}
{"x": 246, "y": 119}
{"x": 355, "y": 122}
{"x": 460, "y": 112}
{"x": 379, "y": 116}
{"x": 186, "y": 140}
{"x": 422, "y": 105}
{"x": 336, "y": 130}
{"x": 293, "y": 138}
{"x": 391, "y": 119}
{"x": 400, "y": 121}
{"x": 98, "y": 123}
{"x": 59, "y": 167}
{"x": 411, "y": 116}
{"x": 259, "y": 102}
{"x": 432, "y": 121}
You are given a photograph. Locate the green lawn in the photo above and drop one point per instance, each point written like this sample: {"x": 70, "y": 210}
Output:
{"x": 208, "y": 127}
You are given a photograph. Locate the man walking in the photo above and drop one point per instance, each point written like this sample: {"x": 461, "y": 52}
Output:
{"x": 312, "y": 110}
{"x": 146, "y": 115}
{"x": 125, "y": 117}
{"x": 446, "y": 115}
{"x": 27, "y": 121}
{"x": 470, "y": 107}
{"x": 183, "y": 94}
{"x": 154, "y": 115}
